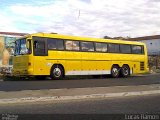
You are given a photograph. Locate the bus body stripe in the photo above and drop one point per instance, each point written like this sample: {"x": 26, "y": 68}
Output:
{"x": 88, "y": 72}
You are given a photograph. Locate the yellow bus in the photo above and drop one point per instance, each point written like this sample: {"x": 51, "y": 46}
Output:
{"x": 56, "y": 55}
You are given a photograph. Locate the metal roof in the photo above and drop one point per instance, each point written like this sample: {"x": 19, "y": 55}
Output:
{"x": 145, "y": 38}
{"x": 13, "y": 33}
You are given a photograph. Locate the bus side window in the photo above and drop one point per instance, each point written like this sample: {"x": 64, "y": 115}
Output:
{"x": 101, "y": 47}
{"x": 52, "y": 44}
{"x": 113, "y": 48}
{"x": 137, "y": 49}
{"x": 68, "y": 44}
{"x": 60, "y": 44}
{"x": 87, "y": 46}
{"x": 124, "y": 48}
{"x": 39, "y": 48}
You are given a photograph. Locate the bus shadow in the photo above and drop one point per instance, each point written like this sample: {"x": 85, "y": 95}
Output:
{"x": 90, "y": 77}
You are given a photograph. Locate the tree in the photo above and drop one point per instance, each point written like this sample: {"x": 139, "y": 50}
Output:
{"x": 107, "y": 37}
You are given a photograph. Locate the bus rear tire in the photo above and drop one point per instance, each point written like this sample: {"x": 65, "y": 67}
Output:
{"x": 57, "y": 72}
{"x": 115, "y": 71}
{"x": 125, "y": 71}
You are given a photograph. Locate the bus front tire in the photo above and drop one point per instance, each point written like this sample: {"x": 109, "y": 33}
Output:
{"x": 57, "y": 72}
{"x": 125, "y": 71}
{"x": 115, "y": 71}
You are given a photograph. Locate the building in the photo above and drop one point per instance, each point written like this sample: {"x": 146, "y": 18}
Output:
{"x": 152, "y": 42}
{"x": 7, "y": 48}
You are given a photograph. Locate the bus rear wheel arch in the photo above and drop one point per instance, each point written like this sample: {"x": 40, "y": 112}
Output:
{"x": 57, "y": 72}
{"x": 125, "y": 70}
{"x": 115, "y": 71}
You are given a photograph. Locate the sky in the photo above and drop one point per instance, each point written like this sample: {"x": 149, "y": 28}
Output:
{"x": 92, "y": 18}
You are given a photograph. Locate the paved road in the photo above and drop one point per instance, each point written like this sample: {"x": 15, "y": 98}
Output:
{"x": 130, "y": 105}
{"x": 77, "y": 83}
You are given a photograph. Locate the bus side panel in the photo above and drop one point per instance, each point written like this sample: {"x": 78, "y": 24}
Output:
{"x": 73, "y": 63}
{"x": 94, "y": 64}
{"x": 104, "y": 62}
{"x": 40, "y": 66}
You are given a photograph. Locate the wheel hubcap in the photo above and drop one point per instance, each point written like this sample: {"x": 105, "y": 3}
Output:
{"x": 57, "y": 72}
{"x": 115, "y": 71}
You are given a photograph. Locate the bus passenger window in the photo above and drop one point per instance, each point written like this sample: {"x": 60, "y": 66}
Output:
{"x": 124, "y": 48}
{"x": 75, "y": 45}
{"x": 87, "y": 46}
{"x": 101, "y": 47}
{"x": 52, "y": 44}
{"x": 98, "y": 47}
{"x": 60, "y": 44}
{"x": 137, "y": 49}
{"x": 72, "y": 45}
{"x": 68, "y": 45}
{"x": 113, "y": 48}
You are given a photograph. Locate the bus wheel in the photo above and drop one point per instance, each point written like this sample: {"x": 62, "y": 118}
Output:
{"x": 125, "y": 71}
{"x": 57, "y": 72}
{"x": 115, "y": 71}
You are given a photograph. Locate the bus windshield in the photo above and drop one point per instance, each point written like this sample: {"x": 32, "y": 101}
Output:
{"x": 21, "y": 47}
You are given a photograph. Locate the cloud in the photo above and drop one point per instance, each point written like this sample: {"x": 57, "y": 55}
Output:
{"x": 6, "y": 24}
{"x": 84, "y": 17}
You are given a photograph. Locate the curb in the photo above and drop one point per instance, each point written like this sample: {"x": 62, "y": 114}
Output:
{"x": 91, "y": 96}
{"x": 148, "y": 74}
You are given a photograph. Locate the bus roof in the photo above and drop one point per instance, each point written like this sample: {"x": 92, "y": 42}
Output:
{"x": 61, "y": 36}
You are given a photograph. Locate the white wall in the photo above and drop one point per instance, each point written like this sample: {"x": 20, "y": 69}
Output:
{"x": 153, "y": 46}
